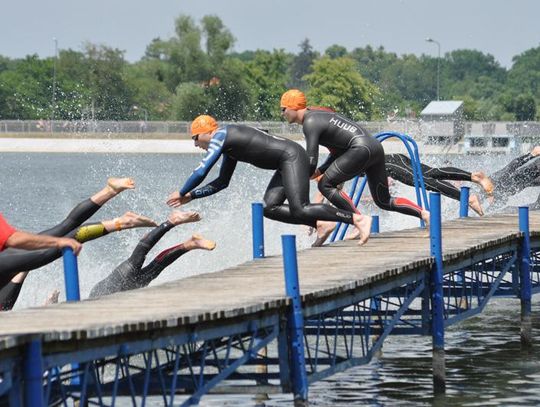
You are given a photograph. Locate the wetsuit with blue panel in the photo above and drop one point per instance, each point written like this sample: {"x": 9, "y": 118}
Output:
{"x": 353, "y": 151}
{"x": 290, "y": 182}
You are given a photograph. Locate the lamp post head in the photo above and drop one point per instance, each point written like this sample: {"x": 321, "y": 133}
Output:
{"x": 428, "y": 39}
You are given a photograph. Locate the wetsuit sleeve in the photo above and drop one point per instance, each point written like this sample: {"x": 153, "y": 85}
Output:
{"x": 6, "y": 230}
{"x": 221, "y": 182}
{"x": 200, "y": 173}
{"x": 311, "y": 134}
{"x": 329, "y": 160}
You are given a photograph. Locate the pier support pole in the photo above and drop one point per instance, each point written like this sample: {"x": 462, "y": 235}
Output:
{"x": 295, "y": 323}
{"x": 71, "y": 275}
{"x": 257, "y": 227}
{"x": 525, "y": 278}
{"x": 375, "y": 224}
{"x": 437, "y": 303}
{"x": 257, "y": 222}
{"x": 464, "y": 202}
{"x": 33, "y": 374}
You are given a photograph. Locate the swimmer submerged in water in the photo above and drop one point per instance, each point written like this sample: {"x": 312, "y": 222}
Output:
{"x": 290, "y": 181}
{"x": 131, "y": 274}
{"x": 15, "y": 263}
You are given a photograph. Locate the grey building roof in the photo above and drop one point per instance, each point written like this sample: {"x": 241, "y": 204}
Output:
{"x": 441, "y": 108}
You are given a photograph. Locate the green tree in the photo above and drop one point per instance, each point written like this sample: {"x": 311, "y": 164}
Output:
{"x": 267, "y": 77}
{"x": 336, "y": 83}
{"x": 301, "y": 64}
{"x": 335, "y": 51}
{"x": 110, "y": 97}
{"x": 26, "y": 89}
{"x": 524, "y": 76}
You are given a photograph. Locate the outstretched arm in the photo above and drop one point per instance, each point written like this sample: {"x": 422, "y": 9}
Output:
{"x": 29, "y": 241}
{"x": 199, "y": 174}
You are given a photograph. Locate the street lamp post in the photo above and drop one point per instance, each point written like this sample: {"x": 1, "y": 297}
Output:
{"x": 54, "y": 83}
{"x": 438, "y": 64}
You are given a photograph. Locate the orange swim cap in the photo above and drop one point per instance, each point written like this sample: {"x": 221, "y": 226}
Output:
{"x": 294, "y": 99}
{"x": 203, "y": 124}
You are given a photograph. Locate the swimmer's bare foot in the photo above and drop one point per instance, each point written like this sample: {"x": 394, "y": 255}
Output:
{"x": 354, "y": 235}
{"x": 132, "y": 220}
{"x": 199, "y": 242}
{"x": 483, "y": 180}
{"x": 114, "y": 187}
{"x": 426, "y": 218}
{"x": 475, "y": 205}
{"x": 535, "y": 151}
{"x": 52, "y": 298}
{"x": 324, "y": 229}
{"x": 118, "y": 185}
{"x": 363, "y": 224}
{"x": 179, "y": 217}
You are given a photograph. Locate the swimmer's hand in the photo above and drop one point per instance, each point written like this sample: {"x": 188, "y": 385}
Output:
{"x": 176, "y": 200}
{"x": 316, "y": 175}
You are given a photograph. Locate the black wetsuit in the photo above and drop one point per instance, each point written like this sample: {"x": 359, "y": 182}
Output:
{"x": 130, "y": 274}
{"x": 518, "y": 174}
{"x": 399, "y": 167}
{"x": 13, "y": 261}
{"x": 353, "y": 151}
{"x": 290, "y": 181}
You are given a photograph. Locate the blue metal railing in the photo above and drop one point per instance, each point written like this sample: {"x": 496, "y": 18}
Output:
{"x": 421, "y": 194}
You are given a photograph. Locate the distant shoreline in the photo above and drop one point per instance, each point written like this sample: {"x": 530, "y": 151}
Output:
{"x": 140, "y": 146}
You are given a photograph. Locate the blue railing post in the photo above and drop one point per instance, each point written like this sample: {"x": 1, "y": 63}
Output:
{"x": 375, "y": 224}
{"x": 464, "y": 202}
{"x": 33, "y": 374}
{"x": 71, "y": 275}
{"x": 295, "y": 321}
{"x": 437, "y": 301}
{"x": 525, "y": 278}
{"x": 257, "y": 223}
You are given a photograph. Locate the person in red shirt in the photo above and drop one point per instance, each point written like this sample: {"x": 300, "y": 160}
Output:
{"x": 11, "y": 237}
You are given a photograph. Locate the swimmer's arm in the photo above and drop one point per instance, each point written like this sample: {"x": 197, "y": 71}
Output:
{"x": 29, "y": 241}
{"x": 311, "y": 135}
{"x": 221, "y": 182}
{"x": 200, "y": 173}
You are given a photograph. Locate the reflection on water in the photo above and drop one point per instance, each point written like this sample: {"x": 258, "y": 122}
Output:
{"x": 484, "y": 363}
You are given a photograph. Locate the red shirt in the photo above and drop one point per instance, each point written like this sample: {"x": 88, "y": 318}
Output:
{"x": 6, "y": 230}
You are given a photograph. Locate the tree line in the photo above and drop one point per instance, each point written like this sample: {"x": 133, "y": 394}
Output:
{"x": 196, "y": 71}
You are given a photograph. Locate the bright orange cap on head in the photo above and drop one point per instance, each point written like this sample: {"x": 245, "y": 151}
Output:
{"x": 203, "y": 124}
{"x": 294, "y": 99}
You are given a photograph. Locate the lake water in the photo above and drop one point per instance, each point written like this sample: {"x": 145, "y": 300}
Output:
{"x": 484, "y": 363}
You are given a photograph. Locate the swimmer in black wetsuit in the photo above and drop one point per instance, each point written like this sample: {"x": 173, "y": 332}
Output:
{"x": 399, "y": 167}
{"x": 353, "y": 151}
{"x": 520, "y": 173}
{"x": 290, "y": 181}
{"x": 15, "y": 263}
{"x": 131, "y": 274}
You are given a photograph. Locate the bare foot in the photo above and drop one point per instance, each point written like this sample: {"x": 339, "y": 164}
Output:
{"x": 179, "y": 217}
{"x": 426, "y": 218}
{"x": 363, "y": 224}
{"x": 132, "y": 220}
{"x": 52, "y": 298}
{"x": 354, "y": 235}
{"x": 484, "y": 181}
{"x": 324, "y": 229}
{"x": 118, "y": 185}
{"x": 535, "y": 151}
{"x": 199, "y": 242}
{"x": 475, "y": 205}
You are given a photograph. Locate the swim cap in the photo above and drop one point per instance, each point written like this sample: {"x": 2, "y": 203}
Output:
{"x": 294, "y": 99}
{"x": 203, "y": 124}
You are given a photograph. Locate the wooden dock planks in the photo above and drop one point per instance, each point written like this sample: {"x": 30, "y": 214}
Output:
{"x": 258, "y": 285}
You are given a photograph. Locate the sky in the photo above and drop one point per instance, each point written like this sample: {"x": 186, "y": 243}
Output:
{"x": 502, "y": 28}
